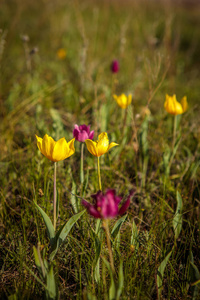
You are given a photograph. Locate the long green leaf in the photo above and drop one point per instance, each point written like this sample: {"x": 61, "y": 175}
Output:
{"x": 112, "y": 289}
{"x": 178, "y": 217}
{"x": 160, "y": 274}
{"x": 194, "y": 278}
{"x": 48, "y": 223}
{"x": 51, "y": 284}
{"x": 73, "y": 197}
{"x": 120, "y": 281}
{"x": 62, "y": 234}
{"x": 117, "y": 226}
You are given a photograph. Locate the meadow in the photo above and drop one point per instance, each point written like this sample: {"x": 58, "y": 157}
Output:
{"x": 113, "y": 65}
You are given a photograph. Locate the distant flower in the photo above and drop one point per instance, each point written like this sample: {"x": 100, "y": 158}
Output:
{"x": 123, "y": 101}
{"x": 55, "y": 151}
{"x": 101, "y": 146}
{"x": 82, "y": 133}
{"x": 173, "y": 107}
{"x": 115, "y": 66}
{"x": 61, "y": 53}
{"x": 106, "y": 205}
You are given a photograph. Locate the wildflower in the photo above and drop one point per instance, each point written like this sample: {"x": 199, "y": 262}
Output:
{"x": 173, "y": 107}
{"x": 82, "y": 133}
{"x": 101, "y": 146}
{"x": 106, "y": 205}
{"x": 55, "y": 151}
{"x": 61, "y": 53}
{"x": 115, "y": 66}
{"x": 123, "y": 101}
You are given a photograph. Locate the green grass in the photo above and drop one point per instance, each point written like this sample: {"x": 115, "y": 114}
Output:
{"x": 157, "y": 45}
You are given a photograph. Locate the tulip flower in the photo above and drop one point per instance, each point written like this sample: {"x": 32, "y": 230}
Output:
{"x": 123, "y": 101}
{"x": 115, "y": 66}
{"x": 106, "y": 205}
{"x": 173, "y": 107}
{"x": 82, "y": 133}
{"x": 101, "y": 146}
{"x": 55, "y": 151}
{"x": 61, "y": 53}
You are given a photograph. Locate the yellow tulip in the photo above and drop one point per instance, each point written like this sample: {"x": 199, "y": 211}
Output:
{"x": 101, "y": 146}
{"x": 123, "y": 101}
{"x": 55, "y": 151}
{"x": 61, "y": 53}
{"x": 174, "y": 107}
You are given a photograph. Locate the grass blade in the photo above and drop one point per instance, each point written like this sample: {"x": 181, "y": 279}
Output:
{"x": 178, "y": 218}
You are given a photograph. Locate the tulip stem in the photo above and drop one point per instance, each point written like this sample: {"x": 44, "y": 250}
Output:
{"x": 99, "y": 173}
{"x": 174, "y": 134}
{"x": 54, "y": 198}
{"x": 125, "y": 120}
{"x": 106, "y": 228}
{"x": 81, "y": 166}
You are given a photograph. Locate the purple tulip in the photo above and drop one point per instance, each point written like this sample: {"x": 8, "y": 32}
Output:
{"x": 106, "y": 205}
{"x": 82, "y": 133}
{"x": 115, "y": 66}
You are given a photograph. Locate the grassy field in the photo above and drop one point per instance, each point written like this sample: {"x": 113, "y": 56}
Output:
{"x": 55, "y": 59}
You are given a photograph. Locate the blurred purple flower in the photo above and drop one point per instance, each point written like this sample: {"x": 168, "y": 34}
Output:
{"x": 106, "y": 205}
{"x": 82, "y": 133}
{"x": 115, "y": 66}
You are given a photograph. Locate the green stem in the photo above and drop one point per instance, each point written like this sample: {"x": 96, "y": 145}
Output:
{"x": 81, "y": 166}
{"x": 105, "y": 225}
{"x": 99, "y": 174}
{"x": 125, "y": 120}
{"x": 54, "y": 197}
{"x": 174, "y": 133}
{"x": 173, "y": 142}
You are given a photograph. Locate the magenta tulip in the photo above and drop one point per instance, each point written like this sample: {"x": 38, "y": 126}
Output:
{"x": 115, "y": 66}
{"x": 82, "y": 133}
{"x": 106, "y": 205}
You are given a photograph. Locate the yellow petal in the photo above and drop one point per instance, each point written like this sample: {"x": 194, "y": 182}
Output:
{"x": 129, "y": 99}
{"x": 39, "y": 142}
{"x": 71, "y": 147}
{"x": 184, "y": 104}
{"x": 102, "y": 144}
{"x": 47, "y": 146}
{"x": 92, "y": 147}
{"x": 60, "y": 151}
{"x": 112, "y": 145}
{"x": 172, "y": 106}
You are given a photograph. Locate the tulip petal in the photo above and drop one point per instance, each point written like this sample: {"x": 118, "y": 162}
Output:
{"x": 71, "y": 147}
{"x": 102, "y": 144}
{"x": 184, "y": 104}
{"x": 92, "y": 147}
{"x": 112, "y": 145}
{"x": 91, "y": 209}
{"x": 129, "y": 99}
{"x": 91, "y": 135}
{"x": 109, "y": 205}
{"x": 39, "y": 142}
{"x": 61, "y": 150}
{"x": 125, "y": 206}
{"x": 48, "y": 145}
